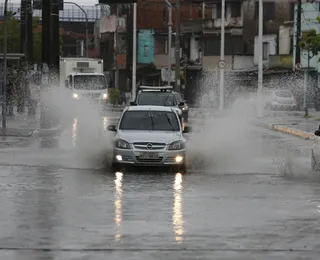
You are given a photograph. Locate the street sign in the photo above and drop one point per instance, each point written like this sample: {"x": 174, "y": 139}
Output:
{"x": 165, "y": 72}
{"x": 298, "y": 66}
{"x": 221, "y": 64}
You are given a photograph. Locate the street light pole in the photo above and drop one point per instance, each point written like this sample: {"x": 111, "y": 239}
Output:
{"x": 169, "y": 40}
{"x": 260, "y": 63}
{"x": 86, "y": 16}
{"x": 177, "y": 76}
{"x": 223, "y": 8}
{"x": 4, "y": 89}
{"x": 134, "y": 52}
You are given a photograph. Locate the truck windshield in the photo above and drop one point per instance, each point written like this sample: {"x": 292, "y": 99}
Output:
{"x": 90, "y": 82}
{"x": 149, "y": 121}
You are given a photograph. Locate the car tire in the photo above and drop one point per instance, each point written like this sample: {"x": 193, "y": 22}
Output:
{"x": 181, "y": 168}
{"x": 115, "y": 167}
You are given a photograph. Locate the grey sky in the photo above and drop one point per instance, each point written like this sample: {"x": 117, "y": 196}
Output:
{"x": 80, "y": 2}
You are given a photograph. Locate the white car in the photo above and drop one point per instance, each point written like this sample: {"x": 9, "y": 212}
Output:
{"x": 149, "y": 136}
{"x": 280, "y": 100}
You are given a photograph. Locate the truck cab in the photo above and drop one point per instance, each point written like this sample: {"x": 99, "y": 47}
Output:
{"x": 84, "y": 78}
{"x": 87, "y": 85}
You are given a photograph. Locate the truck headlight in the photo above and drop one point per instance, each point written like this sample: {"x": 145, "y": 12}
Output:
{"x": 177, "y": 145}
{"x": 105, "y": 96}
{"x": 122, "y": 144}
{"x": 75, "y": 96}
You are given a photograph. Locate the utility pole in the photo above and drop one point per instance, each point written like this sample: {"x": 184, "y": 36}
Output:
{"x": 134, "y": 53}
{"x": 5, "y": 45}
{"x": 55, "y": 35}
{"x": 260, "y": 64}
{"x": 297, "y": 48}
{"x": 116, "y": 78}
{"x": 223, "y": 9}
{"x": 23, "y": 16}
{"x": 178, "y": 83}
{"x": 169, "y": 40}
{"x": 29, "y": 31}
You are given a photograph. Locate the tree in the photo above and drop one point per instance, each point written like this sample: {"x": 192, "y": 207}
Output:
{"x": 310, "y": 42}
{"x": 14, "y": 36}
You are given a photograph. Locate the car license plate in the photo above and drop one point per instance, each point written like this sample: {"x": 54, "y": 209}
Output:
{"x": 151, "y": 156}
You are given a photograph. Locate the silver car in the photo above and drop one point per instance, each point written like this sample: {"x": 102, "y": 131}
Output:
{"x": 149, "y": 136}
{"x": 280, "y": 100}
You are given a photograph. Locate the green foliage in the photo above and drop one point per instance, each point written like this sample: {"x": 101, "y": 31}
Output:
{"x": 14, "y": 36}
{"x": 114, "y": 95}
{"x": 310, "y": 42}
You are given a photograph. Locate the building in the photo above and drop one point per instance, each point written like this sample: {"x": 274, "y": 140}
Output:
{"x": 200, "y": 39}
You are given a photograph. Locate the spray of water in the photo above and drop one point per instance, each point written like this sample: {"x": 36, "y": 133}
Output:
{"x": 229, "y": 141}
{"x": 85, "y": 138}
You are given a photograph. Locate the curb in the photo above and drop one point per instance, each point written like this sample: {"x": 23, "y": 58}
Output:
{"x": 289, "y": 130}
{"x": 51, "y": 132}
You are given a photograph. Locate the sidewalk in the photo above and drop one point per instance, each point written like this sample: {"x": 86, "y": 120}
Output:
{"x": 293, "y": 123}
{"x": 21, "y": 125}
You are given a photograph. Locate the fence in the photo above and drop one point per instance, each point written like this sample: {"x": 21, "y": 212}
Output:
{"x": 70, "y": 12}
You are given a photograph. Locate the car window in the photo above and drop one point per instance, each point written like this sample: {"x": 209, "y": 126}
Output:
{"x": 156, "y": 99}
{"x": 283, "y": 93}
{"x": 149, "y": 120}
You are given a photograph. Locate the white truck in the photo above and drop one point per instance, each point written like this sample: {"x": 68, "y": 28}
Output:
{"x": 84, "y": 78}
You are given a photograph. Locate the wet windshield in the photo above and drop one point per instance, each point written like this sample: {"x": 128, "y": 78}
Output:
{"x": 89, "y": 82}
{"x": 150, "y": 121}
{"x": 283, "y": 93}
{"x": 157, "y": 99}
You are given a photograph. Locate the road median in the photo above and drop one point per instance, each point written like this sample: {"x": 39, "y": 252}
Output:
{"x": 288, "y": 130}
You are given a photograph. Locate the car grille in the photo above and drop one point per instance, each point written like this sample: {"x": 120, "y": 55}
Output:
{"x": 155, "y": 146}
{"x": 149, "y": 160}
{"x": 91, "y": 95}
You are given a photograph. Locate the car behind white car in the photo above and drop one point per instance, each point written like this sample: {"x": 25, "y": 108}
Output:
{"x": 280, "y": 100}
{"x": 149, "y": 136}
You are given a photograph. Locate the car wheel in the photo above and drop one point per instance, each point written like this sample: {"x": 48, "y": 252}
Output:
{"x": 116, "y": 167}
{"x": 181, "y": 168}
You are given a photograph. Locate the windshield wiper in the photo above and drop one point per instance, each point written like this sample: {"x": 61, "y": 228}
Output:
{"x": 169, "y": 121}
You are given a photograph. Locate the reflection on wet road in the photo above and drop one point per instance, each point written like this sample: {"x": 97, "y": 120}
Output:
{"x": 64, "y": 208}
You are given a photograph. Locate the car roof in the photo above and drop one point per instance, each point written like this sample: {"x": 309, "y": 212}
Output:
{"x": 151, "y": 108}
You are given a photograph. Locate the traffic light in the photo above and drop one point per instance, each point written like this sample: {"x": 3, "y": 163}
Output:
{"x": 112, "y": 2}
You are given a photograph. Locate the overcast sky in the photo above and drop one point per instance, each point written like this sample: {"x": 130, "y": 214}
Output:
{"x": 80, "y": 2}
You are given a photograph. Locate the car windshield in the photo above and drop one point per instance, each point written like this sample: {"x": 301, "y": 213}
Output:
{"x": 156, "y": 99}
{"x": 283, "y": 93}
{"x": 178, "y": 97}
{"x": 90, "y": 82}
{"x": 149, "y": 121}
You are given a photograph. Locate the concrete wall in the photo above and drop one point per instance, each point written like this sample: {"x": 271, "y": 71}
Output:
{"x": 239, "y": 62}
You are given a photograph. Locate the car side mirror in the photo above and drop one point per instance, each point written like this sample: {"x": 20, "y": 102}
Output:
{"x": 317, "y": 133}
{"x": 112, "y": 128}
{"x": 132, "y": 103}
{"x": 187, "y": 129}
{"x": 182, "y": 104}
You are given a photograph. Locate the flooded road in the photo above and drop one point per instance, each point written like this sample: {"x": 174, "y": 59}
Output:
{"x": 62, "y": 203}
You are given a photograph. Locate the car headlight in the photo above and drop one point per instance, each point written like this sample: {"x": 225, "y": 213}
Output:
{"x": 122, "y": 144}
{"x": 105, "y": 96}
{"x": 75, "y": 96}
{"x": 177, "y": 145}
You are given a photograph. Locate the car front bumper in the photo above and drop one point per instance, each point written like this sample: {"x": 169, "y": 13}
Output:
{"x": 131, "y": 157}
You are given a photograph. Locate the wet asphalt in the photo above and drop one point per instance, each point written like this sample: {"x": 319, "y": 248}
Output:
{"x": 59, "y": 200}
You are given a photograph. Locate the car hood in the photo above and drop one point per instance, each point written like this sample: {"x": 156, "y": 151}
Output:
{"x": 149, "y": 136}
